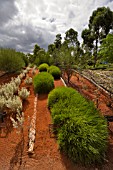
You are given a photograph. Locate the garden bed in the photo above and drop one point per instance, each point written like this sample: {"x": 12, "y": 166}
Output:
{"x": 46, "y": 153}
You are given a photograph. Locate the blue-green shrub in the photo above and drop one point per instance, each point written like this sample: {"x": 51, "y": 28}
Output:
{"x": 43, "y": 82}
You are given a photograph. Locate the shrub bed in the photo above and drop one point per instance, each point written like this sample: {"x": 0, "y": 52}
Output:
{"x": 82, "y": 132}
{"x": 43, "y": 67}
{"x": 55, "y": 72}
{"x": 43, "y": 82}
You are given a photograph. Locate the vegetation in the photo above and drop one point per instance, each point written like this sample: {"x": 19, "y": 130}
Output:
{"x": 43, "y": 67}
{"x": 82, "y": 132}
{"x": 10, "y": 60}
{"x": 55, "y": 72}
{"x": 23, "y": 93}
{"x": 43, "y": 82}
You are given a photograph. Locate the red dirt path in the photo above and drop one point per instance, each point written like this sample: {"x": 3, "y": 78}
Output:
{"x": 13, "y": 155}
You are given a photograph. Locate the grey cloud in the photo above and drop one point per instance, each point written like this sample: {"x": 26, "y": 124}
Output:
{"x": 23, "y": 38}
{"x": 71, "y": 15}
{"x": 52, "y": 19}
{"x": 7, "y": 10}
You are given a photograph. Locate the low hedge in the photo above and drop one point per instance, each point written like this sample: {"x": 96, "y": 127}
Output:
{"x": 82, "y": 132}
{"x": 55, "y": 72}
{"x": 43, "y": 83}
{"x": 43, "y": 67}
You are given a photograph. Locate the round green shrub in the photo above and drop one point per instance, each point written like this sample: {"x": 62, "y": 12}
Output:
{"x": 55, "y": 72}
{"x": 43, "y": 67}
{"x": 43, "y": 82}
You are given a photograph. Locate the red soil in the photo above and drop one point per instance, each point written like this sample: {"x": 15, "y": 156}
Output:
{"x": 13, "y": 152}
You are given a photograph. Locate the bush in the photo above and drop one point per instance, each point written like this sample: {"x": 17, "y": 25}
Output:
{"x": 43, "y": 67}
{"x": 83, "y": 142}
{"x": 10, "y": 60}
{"x": 23, "y": 93}
{"x": 55, "y": 72}
{"x": 82, "y": 132}
{"x": 43, "y": 82}
{"x": 59, "y": 93}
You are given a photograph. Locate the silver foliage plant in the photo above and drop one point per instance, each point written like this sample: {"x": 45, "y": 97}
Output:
{"x": 28, "y": 80}
{"x": 14, "y": 103}
{"x": 20, "y": 119}
{"x": 23, "y": 93}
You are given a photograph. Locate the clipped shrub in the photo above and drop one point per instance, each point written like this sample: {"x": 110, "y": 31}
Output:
{"x": 55, "y": 72}
{"x": 23, "y": 93}
{"x": 43, "y": 82}
{"x": 82, "y": 132}
{"x": 43, "y": 67}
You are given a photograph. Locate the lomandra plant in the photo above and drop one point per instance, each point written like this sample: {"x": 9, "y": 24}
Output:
{"x": 82, "y": 132}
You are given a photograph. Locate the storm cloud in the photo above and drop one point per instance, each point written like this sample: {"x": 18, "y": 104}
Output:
{"x": 24, "y": 23}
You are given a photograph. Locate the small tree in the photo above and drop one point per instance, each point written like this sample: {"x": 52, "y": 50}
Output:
{"x": 66, "y": 59}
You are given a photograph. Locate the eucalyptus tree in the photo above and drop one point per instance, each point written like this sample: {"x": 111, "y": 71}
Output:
{"x": 58, "y": 41}
{"x": 100, "y": 23}
{"x": 106, "y": 48}
{"x": 87, "y": 45}
{"x": 66, "y": 60}
{"x": 71, "y": 37}
{"x": 35, "y": 52}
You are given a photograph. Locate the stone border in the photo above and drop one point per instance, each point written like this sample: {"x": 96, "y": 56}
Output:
{"x": 63, "y": 81}
{"x": 32, "y": 129}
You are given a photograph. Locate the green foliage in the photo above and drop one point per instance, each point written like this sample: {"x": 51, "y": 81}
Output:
{"x": 43, "y": 82}
{"x": 82, "y": 140}
{"x": 43, "y": 67}
{"x": 10, "y": 60}
{"x": 106, "y": 48}
{"x": 71, "y": 37}
{"x": 82, "y": 132}
{"x": 58, "y": 41}
{"x": 54, "y": 71}
{"x": 60, "y": 93}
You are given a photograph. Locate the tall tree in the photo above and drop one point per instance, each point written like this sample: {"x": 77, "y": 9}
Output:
{"x": 71, "y": 37}
{"x": 58, "y": 42}
{"x": 100, "y": 24}
{"x": 51, "y": 48}
{"x": 106, "y": 48}
{"x": 35, "y": 52}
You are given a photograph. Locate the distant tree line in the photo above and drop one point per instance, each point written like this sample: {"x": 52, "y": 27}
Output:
{"x": 68, "y": 53}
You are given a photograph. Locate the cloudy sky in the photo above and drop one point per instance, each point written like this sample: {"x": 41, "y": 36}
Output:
{"x": 24, "y": 23}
